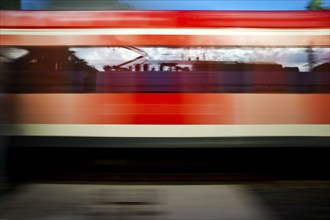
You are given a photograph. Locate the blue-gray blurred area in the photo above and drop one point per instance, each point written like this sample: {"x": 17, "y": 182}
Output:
{"x": 160, "y": 4}
{"x": 65, "y": 5}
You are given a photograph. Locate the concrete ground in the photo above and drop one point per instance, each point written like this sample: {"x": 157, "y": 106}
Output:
{"x": 290, "y": 200}
{"x": 170, "y": 202}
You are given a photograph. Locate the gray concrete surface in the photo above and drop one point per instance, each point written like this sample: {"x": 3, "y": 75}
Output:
{"x": 143, "y": 202}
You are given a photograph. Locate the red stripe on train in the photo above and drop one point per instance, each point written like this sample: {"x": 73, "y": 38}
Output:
{"x": 164, "y": 40}
{"x": 165, "y": 19}
{"x": 170, "y": 108}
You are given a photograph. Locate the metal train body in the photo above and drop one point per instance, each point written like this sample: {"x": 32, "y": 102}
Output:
{"x": 246, "y": 107}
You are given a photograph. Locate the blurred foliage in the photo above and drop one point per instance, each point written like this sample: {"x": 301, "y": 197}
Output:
{"x": 316, "y": 5}
{"x": 10, "y": 4}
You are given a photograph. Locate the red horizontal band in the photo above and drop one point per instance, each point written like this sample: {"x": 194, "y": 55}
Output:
{"x": 174, "y": 108}
{"x": 163, "y": 40}
{"x": 164, "y": 19}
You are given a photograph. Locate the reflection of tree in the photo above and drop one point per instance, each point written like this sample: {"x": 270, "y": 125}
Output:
{"x": 310, "y": 58}
{"x": 10, "y": 4}
{"x": 314, "y": 59}
{"x": 61, "y": 59}
{"x": 50, "y": 69}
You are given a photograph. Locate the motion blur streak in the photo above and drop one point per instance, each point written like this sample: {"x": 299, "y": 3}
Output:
{"x": 142, "y": 108}
{"x": 189, "y": 97}
{"x": 142, "y": 28}
{"x": 103, "y": 95}
{"x": 165, "y": 19}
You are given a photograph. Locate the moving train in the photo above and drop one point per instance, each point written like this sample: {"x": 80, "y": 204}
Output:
{"x": 184, "y": 79}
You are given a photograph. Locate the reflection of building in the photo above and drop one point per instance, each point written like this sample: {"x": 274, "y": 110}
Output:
{"x": 183, "y": 65}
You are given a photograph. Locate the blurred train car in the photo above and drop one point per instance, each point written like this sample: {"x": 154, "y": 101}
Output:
{"x": 59, "y": 100}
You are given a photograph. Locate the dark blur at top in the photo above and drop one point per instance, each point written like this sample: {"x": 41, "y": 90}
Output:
{"x": 269, "y": 5}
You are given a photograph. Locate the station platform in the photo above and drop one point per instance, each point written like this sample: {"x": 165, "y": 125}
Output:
{"x": 256, "y": 201}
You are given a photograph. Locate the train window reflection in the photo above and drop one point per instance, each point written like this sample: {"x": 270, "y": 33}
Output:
{"x": 166, "y": 69}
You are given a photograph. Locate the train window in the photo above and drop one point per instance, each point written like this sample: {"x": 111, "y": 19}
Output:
{"x": 166, "y": 69}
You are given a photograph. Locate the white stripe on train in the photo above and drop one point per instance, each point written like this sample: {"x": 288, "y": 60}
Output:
{"x": 93, "y": 130}
{"x": 169, "y": 31}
